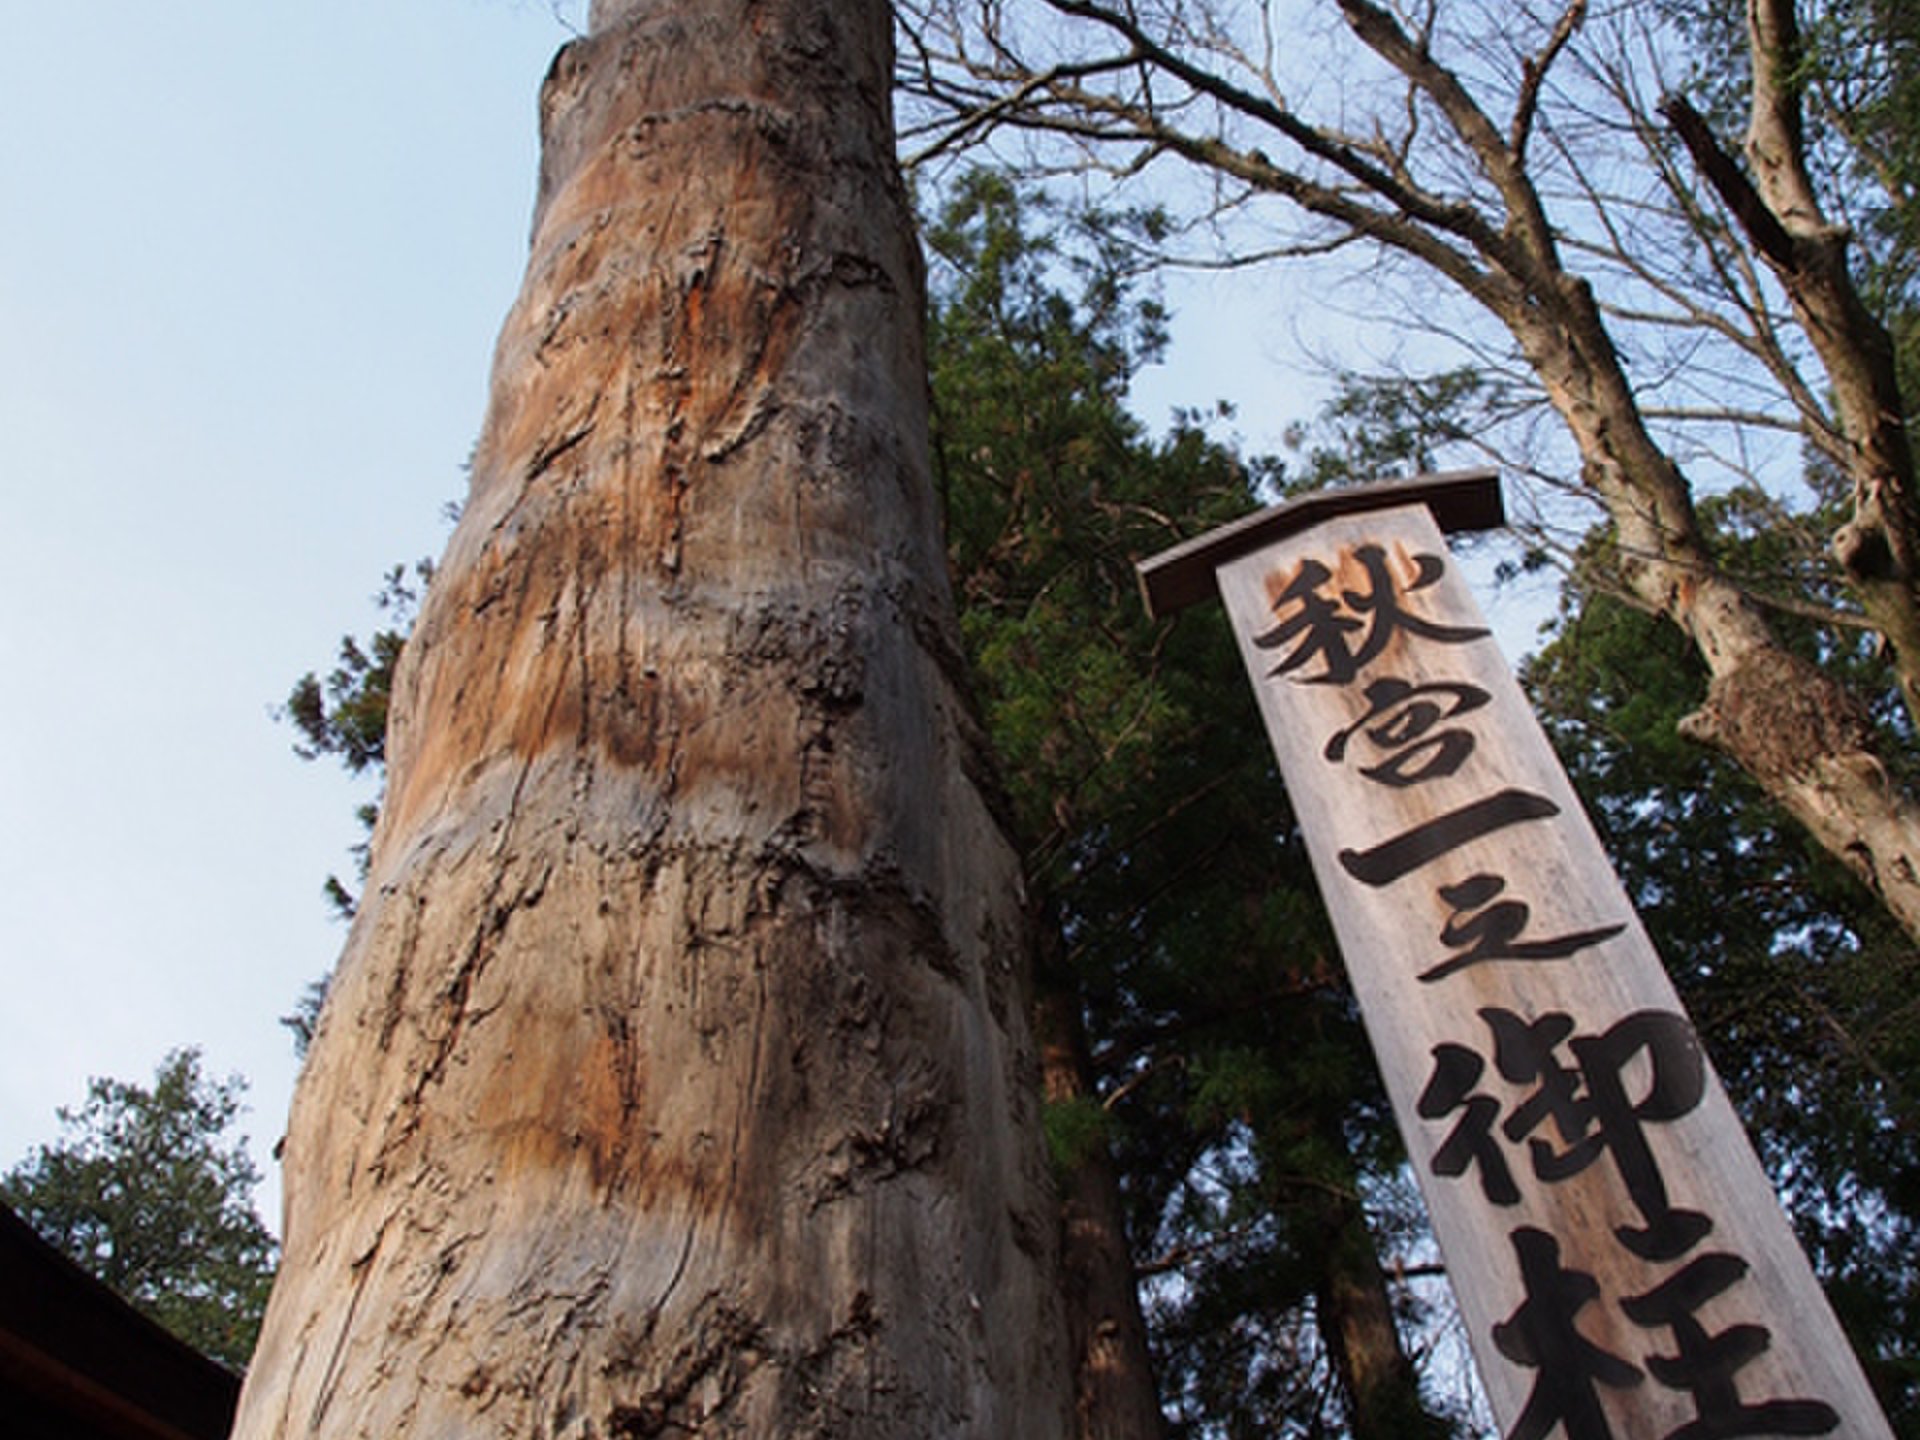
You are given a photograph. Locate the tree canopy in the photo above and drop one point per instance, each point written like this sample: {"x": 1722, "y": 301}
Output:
{"x": 1678, "y": 304}
{"x": 150, "y": 1191}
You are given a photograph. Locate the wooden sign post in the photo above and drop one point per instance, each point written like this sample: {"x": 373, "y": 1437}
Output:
{"x": 1616, "y": 1249}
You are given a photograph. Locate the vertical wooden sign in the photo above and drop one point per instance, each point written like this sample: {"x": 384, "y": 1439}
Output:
{"x": 1615, "y": 1247}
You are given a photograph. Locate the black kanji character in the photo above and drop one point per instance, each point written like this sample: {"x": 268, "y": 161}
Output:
{"x": 1456, "y": 1070}
{"x": 1589, "y": 1105}
{"x": 1400, "y": 720}
{"x": 1541, "y": 1335}
{"x": 1704, "y": 1365}
{"x": 1428, "y": 841}
{"x": 1493, "y": 932}
{"x": 1325, "y": 629}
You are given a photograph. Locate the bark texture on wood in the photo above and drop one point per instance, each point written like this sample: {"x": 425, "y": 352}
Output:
{"x": 1114, "y": 1393}
{"x": 1354, "y": 1313}
{"x": 1795, "y": 730}
{"x": 1780, "y": 212}
{"x": 677, "y": 1078}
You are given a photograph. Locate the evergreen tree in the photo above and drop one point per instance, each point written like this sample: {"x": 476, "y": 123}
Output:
{"x": 148, "y": 1191}
{"x": 344, "y": 717}
{"x": 1228, "y": 1072}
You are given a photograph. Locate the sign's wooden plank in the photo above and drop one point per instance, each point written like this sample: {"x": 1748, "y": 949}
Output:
{"x": 1459, "y": 500}
{"x": 1618, "y": 1254}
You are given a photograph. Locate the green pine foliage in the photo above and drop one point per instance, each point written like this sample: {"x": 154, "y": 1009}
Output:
{"x": 344, "y": 717}
{"x": 1239, "y": 1099}
{"x": 148, "y": 1191}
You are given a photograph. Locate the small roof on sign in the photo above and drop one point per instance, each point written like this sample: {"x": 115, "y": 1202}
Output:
{"x": 1461, "y": 500}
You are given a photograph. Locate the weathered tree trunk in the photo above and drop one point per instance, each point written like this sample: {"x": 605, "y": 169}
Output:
{"x": 1114, "y": 1393}
{"x": 1354, "y": 1313}
{"x": 1779, "y": 211}
{"x": 1879, "y": 546}
{"x": 1793, "y": 728}
{"x": 677, "y": 1077}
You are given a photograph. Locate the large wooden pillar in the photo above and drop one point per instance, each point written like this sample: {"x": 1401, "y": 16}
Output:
{"x": 676, "y": 1078}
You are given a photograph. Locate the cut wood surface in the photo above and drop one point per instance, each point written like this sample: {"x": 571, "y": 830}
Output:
{"x": 1622, "y": 1264}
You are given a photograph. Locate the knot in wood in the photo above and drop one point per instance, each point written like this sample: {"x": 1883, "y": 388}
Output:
{"x": 1779, "y": 717}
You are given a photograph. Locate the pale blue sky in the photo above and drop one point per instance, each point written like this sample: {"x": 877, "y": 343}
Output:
{"x": 253, "y": 256}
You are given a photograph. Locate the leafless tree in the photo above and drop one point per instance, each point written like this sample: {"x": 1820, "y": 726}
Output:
{"x": 1535, "y": 161}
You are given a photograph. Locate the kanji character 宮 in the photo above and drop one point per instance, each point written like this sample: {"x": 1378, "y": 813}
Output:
{"x": 1401, "y": 719}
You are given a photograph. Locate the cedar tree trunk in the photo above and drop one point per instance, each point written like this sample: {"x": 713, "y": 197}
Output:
{"x": 676, "y": 1078}
{"x": 1354, "y": 1313}
{"x": 1114, "y": 1393}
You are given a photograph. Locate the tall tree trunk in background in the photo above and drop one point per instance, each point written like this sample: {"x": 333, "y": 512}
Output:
{"x": 1114, "y": 1393}
{"x": 1780, "y": 211}
{"x": 1354, "y": 1312}
{"x": 677, "y": 1075}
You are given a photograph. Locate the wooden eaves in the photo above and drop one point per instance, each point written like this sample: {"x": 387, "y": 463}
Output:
{"x": 1461, "y": 501}
{"x": 79, "y": 1363}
